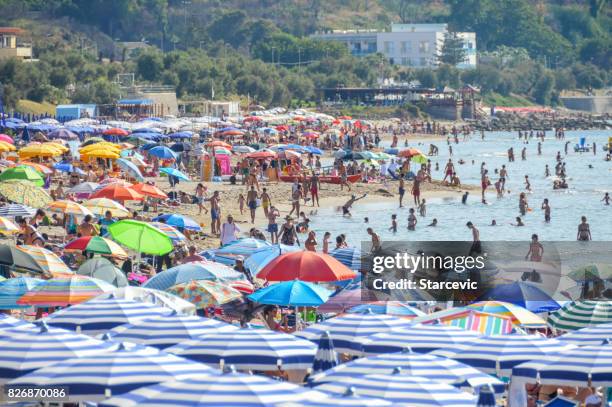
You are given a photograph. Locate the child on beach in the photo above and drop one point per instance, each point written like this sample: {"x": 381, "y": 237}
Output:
{"x": 422, "y": 208}
{"x": 393, "y": 227}
{"x": 412, "y": 220}
{"x": 241, "y": 202}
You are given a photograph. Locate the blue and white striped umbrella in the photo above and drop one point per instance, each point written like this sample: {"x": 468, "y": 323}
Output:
{"x": 163, "y": 331}
{"x": 14, "y": 288}
{"x": 349, "y": 398}
{"x": 589, "y": 336}
{"x": 13, "y": 210}
{"x": 249, "y": 349}
{"x": 583, "y": 367}
{"x": 499, "y": 354}
{"x": 25, "y": 349}
{"x": 243, "y": 247}
{"x": 404, "y": 390}
{"x": 349, "y": 256}
{"x": 197, "y": 270}
{"x": 420, "y": 338}
{"x": 128, "y": 367}
{"x": 410, "y": 363}
{"x": 99, "y": 315}
{"x": 229, "y": 389}
{"x": 7, "y": 322}
{"x": 326, "y": 356}
{"x": 347, "y": 329}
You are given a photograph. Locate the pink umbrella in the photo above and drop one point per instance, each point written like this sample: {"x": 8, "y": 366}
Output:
{"x": 7, "y": 138}
{"x": 347, "y": 299}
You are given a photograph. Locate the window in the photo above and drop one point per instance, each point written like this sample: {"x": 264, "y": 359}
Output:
{"x": 423, "y": 47}
{"x": 389, "y": 48}
{"x": 406, "y": 47}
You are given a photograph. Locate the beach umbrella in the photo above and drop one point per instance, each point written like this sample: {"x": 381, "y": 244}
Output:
{"x": 65, "y": 167}
{"x": 125, "y": 368}
{"x": 168, "y": 330}
{"x": 350, "y": 296}
{"x": 249, "y": 349}
{"x": 326, "y": 356}
{"x": 63, "y": 291}
{"x": 98, "y": 315}
{"x": 265, "y": 154}
{"x": 6, "y": 138}
{"x": 581, "y": 314}
{"x": 180, "y": 135}
{"x": 100, "y": 206}
{"x": 349, "y": 256}
{"x": 305, "y": 266}
{"x": 409, "y": 152}
{"x": 102, "y": 146}
{"x": 397, "y": 308}
{"x": 150, "y": 296}
{"x": 8, "y": 322}
{"x": 14, "y": 210}
{"x": 12, "y": 257}
{"x": 519, "y": 315}
{"x": 170, "y": 231}
{"x": 22, "y": 172}
{"x": 588, "y": 366}
{"x": 24, "y": 192}
{"x": 230, "y": 388}
{"x": 117, "y": 192}
{"x": 589, "y": 336}
{"x": 114, "y": 131}
{"x": 43, "y": 169}
{"x": 178, "y": 221}
{"x": 467, "y": 318}
{"x": 69, "y": 208}
{"x": 96, "y": 244}
{"x": 260, "y": 258}
{"x": 180, "y": 147}
{"x": 243, "y": 149}
{"x": 102, "y": 152}
{"x": 7, "y": 227}
{"x": 404, "y": 390}
{"x": 232, "y": 133}
{"x": 205, "y": 293}
{"x": 40, "y": 150}
{"x": 149, "y": 190}
{"x": 348, "y": 398}
{"x": 92, "y": 140}
{"x": 130, "y": 168}
{"x": 64, "y": 134}
{"x": 244, "y": 286}
{"x": 25, "y": 350}
{"x": 32, "y": 258}
{"x": 103, "y": 269}
{"x": 6, "y": 147}
{"x": 592, "y": 272}
{"x": 411, "y": 363}
{"x": 141, "y": 237}
{"x": 523, "y": 294}
{"x": 114, "y": 181}
{"x": 499, "y": 354}
{"x": 243, "y": 247}
{"x": 196, "y": 270}
{"x": 85, "y": 188}
{"x": 420, "y": 338}
{"x": 291, "y": 293}
{"x": 174, "y": 172}
{"x": 313, "y": 150}
{"x": 419, "y": 159}
{"x": 162, "y": 152}
{"x": 13, "y": 289}
{"x": 219, "y": 143}
{"x": 345, "y": 330}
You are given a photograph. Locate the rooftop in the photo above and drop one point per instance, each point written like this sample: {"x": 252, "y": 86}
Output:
{"x": 11, "y": 30}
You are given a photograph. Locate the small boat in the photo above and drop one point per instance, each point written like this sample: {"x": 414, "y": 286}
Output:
{"x": 325, "y": 179}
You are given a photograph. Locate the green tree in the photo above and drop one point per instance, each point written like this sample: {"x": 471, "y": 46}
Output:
{"x": 542, "y": 91}
{"x": 150, "y": 65}
{"x": 452, "y": 52}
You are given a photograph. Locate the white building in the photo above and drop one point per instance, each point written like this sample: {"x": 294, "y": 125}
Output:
{"x": 416, "y": 45}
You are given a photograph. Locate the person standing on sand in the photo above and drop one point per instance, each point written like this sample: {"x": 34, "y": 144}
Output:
{"x": 295, "y": 200}
{"x": 273, "y": 213}
{"x": 200, "y": 193}
{"x": 546, "y": 209}
{"x": 315, "y": 185}
{"x": 536, "y": 250}
{"x": 229, "y": 231}
{"x": 584, "y": 230}
{"x": 476, "y": 245}
{"x": 343, "y": 178}
{"x": 266, "y": 201}
{"x": 215, "y": 213}
{"x": 252, "y": 202}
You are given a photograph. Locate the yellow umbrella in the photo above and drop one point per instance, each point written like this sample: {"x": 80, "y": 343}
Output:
{"x": 59, "y": 146}
{"x": 4, "y": 146}
{"x": 39, "y": 150}
{"x": 7, "y": 227}
{"x": 100, "y": 154}
{"x": 99, "y": 206}
{"x": 99, "y": 146}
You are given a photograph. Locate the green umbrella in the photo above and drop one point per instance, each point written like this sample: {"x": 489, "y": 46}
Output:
{"x": 419, "y": 159}
{"x": 141, "y": 237}
{"x": 592, "y": 272}
{"x": 23, "y": 172}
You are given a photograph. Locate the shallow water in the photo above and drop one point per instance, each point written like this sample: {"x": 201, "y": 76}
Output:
{"x": 586, "y": 189}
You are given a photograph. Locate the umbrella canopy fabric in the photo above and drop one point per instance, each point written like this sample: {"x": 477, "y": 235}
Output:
{"x": 14, "y": 210}
{"x": 46, "y": 261}
{"x": 100, "y": 206}
{"x": 150, "y": 296}
{"x": 523, "y": 294}
{"x": 13, "y": 289}
{"x": 346, "y": 329}
{"x": 467, "y": 318}
{"x": 99, "y": 315}
{"x": 168, "y": 330}
{"x": 7, "y": 226}
{"x": 149, "y": 190}
{"x": 351, "y": 296}
{"x": 499, "y": 354}
{"x": 115, "y": 131}
{"x": 349, "y": 256}
{"x": 24, "y": 192}
{"x": 178, "y": 221}
{"x": 12, "y": 257}
{"x": 85, "y": 188}
{"x": 582, "y": 367}
{"x": 62, "y": 291}
{"x": 589, "y": 336}
{"x": 306, "y": 266}
{"x": 162, "y": 152}
{"x": 396, "y": 308}
{"x": 23, "y": 172}
{"x": 141, "y": 237}
{"x": 404, "y": 390}
{"x": 249, "y": 349}
{"x": 102, "y": 269}
{"x": 25, "y": 350}
{"x": 237, "y": 389}
{"x": 8, "y": 322}
{"x": 130, "y": 168}
{"x": 96, "y": 244}
{"x": 170, "y": 231}
{"x": 174, "y": 172}
{"x": 292, "y": 293}
{"x": 592, "y": 272}
{"x": 64, "y": 134}
{"x": 410, "y": 363}
{"x": 128, "y": 367}
{"x": 260, "y": 258}
{"x": 68, "y": 207}
{"x": 520, "y": 316}
{"x": 243, "y": 247}
{"x": 117, "y": 192}
{"x": 581, "y": 314}
{"x": 420, "y": 338}
{"x": 326, "y": 356}
{"x": 205, "y": 293}
{"x": 197, "y": 270}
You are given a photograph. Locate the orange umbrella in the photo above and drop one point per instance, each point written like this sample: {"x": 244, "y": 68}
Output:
{"x": 118, "y": 193}
{"x": 263, "y": 154}
{"x": 344, "y": 117}
{"x": 115, "y": 131}
{"x": 149, "y": 190}
{"x": 38, "y": 167}
{"x": 219, "y": 143}
{"x": 305, "y": 266}
{"x": 233, "y": 133}
{"x": 409, "y": 152}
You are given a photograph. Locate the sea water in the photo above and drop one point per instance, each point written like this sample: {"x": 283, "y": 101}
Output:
{"x": 583, "y": 197}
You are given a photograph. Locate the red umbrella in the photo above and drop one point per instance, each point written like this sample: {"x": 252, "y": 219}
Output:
{"x": 310, "y": 134}
{"x": 258, "y": 155}
{"x": 253, "y": 119}
{"x": 282, "y": 127}
{"x": 306, "y": 266}
{"x": 115, "y": 131}
{"x": 149, "y": 190}
{"x": 118, "y": 193}
{"x": 233, "y": 133}
{"x": 242, "y": 286}
{"x": 409, "y": 152}
{"x": 219, "y": 143}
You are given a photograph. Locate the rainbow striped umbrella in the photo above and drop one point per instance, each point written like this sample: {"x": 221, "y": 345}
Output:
{"x": 13, "y": 289}
{"x": 62, "y": 291}
{"x": 96, "y": 244}
{"x": 519, "y": 315}
{"x": 69, "y": 207}
{"x": 478, "y": 321}
{"x": 205, "y": 293}
{"x": 99, "y": 206}
{"x": 47, "y": 261}
{"x": 172, "y": 232}
{"x": 7, "y": 227}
